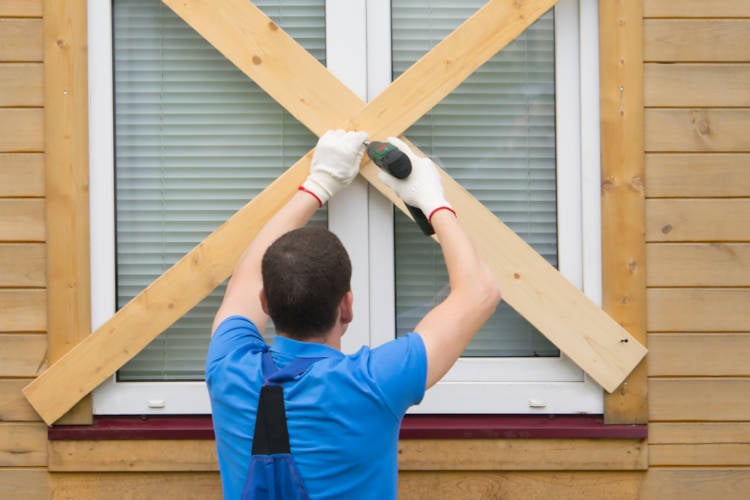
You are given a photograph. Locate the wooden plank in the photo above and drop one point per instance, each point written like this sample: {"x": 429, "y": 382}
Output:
{"x": 694, "y": 175}
{"x": 67, "y": 180}
{"x": 21, "y": 84}
{"x": 13, "y": 406}
{"x": 694, "y": 220}
{"x": 696, "y": 8}
{"x": 696, "y": 399}
{"x": 135, "y": 455}
{"x": 697, "y": 40}
{"x": 402, "y": 103}
{"x": 698, "y": 264}
{"x": 106, "y": 486}
{"x": 29, "y": 484}
{"x": 718, "y": 455}
{"x": 699, "y": 433}
{"x": 22, "y": 40}
{"x": 22, "y": 220}
{"x": 21, "y": 174}
{"x": 699, "y": 355}
{"x": 21, "y": 130}
{"x": 22, "y": 265}
{"x": 622, "y": 203}
{"x": 23, "y": 310}
{"x": 698, "y": 309}
{"x": 437, "y": 454}
{"x": 696, "y": 484}
{"x": 23, "y": 445}
{"x": 518, "y": 454}
{"x": 20, "y": 8}
{"x": 697, "y": 85}
{"x": 684, "y": 130}
{"x": 449, "y": 485}
{"x": 22, "y": 355}
{"x": 101, "y": 354}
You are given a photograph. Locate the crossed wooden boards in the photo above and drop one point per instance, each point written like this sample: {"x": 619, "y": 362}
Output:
{"x": 295, "y": 79}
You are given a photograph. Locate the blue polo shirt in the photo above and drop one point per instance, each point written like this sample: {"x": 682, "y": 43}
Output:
{"x": 343, "y": 414}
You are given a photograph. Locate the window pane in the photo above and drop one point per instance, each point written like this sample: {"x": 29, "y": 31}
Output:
{"x": 195, "y": 140}
{"x": 495, "y": 135}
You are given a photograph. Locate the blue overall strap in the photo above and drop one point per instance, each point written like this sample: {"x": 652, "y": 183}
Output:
{"x": 271, "y": 434}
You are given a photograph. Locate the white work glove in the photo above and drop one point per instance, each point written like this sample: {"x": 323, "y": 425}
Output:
{"x": 422, "y": 188}
{"x": 335, "y": 163}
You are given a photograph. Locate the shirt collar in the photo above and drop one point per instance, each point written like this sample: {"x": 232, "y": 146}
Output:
{"x": 300, "y": 349}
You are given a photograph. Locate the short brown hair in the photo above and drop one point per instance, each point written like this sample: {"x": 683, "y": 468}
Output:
{"x": 306, "y": 273}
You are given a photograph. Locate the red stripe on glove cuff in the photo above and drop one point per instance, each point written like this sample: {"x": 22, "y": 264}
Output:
{"x": 303, "y": 188}
{"x": 444, "y": 207}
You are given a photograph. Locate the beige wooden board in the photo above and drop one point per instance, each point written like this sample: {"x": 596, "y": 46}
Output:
{"x": 121, "y": 486}
{"x": 449, "y": 485}
{"x": 13, "y": 406}
{"x": 21, "y": 174}
{"x": 622, "y": 202}
{"x": 102, "y": 349}
{"x": 696, "y": 8}
{"x": 691, "y": 175}
{"x": 21, "y": 8}
{"x": 21, "y": 84}
{"x": 26, "y": 484}
{"x": 23, "y": 444}
{"x": 437, "y": 454}
{"x": 696, "y": 484}
{"x": 22, "y": 265}
{"x": 135, "y": 455}
{"x": 698, "y": 220}
{"x": 22, "y": 355}
{"x": 696, "y": 399}
{"x": 684, "y": 130}
{"x": 66, "y": 141}
{"x": 698, "y": 354}
{"x": 699, "y": 433}
{"x": 21, "y": 130}
{"x": 697, "y": 85}
{"x": 22, "y": 220}
{"x": 714, "y": 454}
{"x": 490, "y": 29}
{"x": 698, "y": 309}
{"x": 21, "y": 40}
{"x": 23, "y": 310}
{"x": 515, "y": 454}
{"x": 696, "y": 40}
{"x": 698, "y": 264}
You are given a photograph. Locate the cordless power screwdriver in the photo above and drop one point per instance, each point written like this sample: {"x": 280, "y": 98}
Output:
{"x": 391, "y": 159}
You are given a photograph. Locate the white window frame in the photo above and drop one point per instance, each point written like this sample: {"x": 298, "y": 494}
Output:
{"x": 358, "y": 53}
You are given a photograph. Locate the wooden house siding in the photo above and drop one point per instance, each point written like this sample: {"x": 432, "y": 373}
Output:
{"x": 23, "y": 296}
{"x": 696, "y": 196}
{"x": 697, "y": 114}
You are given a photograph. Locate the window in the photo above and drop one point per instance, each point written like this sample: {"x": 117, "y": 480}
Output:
{"x": 194, "y": 139}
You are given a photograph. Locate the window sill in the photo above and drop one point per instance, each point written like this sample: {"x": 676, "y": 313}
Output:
{"x": 413, "y": 427}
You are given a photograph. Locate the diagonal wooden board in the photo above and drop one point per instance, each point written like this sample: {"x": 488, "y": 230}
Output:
{"x": 578, "y": 327}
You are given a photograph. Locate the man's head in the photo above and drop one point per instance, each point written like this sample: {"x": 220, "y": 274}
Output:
{"x": 306, "y": 274}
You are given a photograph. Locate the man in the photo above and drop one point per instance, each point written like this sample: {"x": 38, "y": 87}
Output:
{"x": 344, "y": 411}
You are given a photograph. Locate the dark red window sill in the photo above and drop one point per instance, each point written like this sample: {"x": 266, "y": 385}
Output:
{"x": 413, "y": 427}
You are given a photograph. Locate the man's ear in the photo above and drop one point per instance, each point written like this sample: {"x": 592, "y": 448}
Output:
{"x": 263, "y": 301}
{"x": 346, "y": 308}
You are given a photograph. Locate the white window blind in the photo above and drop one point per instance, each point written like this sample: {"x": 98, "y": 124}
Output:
{"x": 495, "y": 135}
{"x": 195, "y": 139}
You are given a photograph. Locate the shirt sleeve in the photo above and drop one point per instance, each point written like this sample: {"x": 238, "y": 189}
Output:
{"x": 231, "y": 334}
{"x": 399, "y": 368}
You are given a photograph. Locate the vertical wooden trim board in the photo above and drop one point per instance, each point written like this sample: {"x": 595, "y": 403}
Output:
{"x": 66, "y": 147}
{"x": 623, "y": 193}
{"x": 585, "y": 333}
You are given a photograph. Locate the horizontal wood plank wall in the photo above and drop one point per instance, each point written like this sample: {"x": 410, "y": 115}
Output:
{"x": 23, "y": 297}
{"x": 697, "y": 95}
